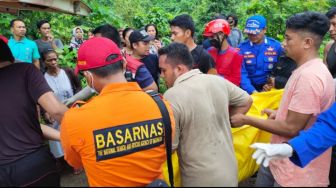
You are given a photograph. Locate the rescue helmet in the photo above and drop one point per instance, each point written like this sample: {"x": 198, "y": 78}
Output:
{"x": 215, "y": 26}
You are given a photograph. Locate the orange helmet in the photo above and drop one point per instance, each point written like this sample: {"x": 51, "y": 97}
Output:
{"x": 215, "y": 26}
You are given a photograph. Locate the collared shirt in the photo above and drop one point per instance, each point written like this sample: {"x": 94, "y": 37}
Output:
{"x": 117, "y": 137}
{"x": 258, "y": 62}
{"x": 24, "y": 51}
{"x": 309, "y": 90}
{"x": 203, "y": 132}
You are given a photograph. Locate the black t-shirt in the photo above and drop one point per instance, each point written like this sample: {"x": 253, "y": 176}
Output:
{"x": 151, "y": 62}
{"x": 331, "y": 60}
{"x": 21, "y": 85}
{"x": 202, "y": 59}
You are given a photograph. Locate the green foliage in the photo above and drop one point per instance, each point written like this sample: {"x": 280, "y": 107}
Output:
{"x": 67, "y": 57}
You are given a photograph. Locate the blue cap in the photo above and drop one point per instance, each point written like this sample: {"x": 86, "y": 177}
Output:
{"x": 255, "y": 24}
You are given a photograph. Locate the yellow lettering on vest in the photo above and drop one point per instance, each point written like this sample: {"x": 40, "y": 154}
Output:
{"x": 100, "y": 143}
{"x": 160, "y": 128}
{"x": 119, "y": 137}
{"x": 144, "y": 132}
{"x": 128, "y": 136}
{"x": 153, "y": 130}
{"x": 110, "y": 140}
{"x": 136, "y": 133}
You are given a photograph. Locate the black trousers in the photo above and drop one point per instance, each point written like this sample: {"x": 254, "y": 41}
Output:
{"x": 332, "y": 173}
{"x": 35, "y": 169}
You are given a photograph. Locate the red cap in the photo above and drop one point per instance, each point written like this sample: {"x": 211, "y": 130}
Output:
{"x": 4, "y": 39}
{"x": 215, "y": 26}
{"x": 94, "y": 52}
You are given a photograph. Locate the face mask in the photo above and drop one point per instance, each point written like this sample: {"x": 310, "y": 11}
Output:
{"x": 215, "y": 43}
{"x": 93, "y": 90}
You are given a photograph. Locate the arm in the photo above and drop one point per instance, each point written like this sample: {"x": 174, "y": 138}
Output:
{"x": 305, "y": 147}
{"x": 152, "y": 86}
{"x": 326, "y": 51}
{"x": 245, "y": 83}
{"x": 50, "y": 104}
{"x": 145, "y": 79}
{"x": 83, "y": 94}
{"x": 316, "y": 140}
{"x": 69, "y": 143}
{"x": 36, "y": 63}
{"x": 241, "y": 109}
{"x": 289, "y": 128}
{"x": 36, "y": 56}
{"x": 50, "y": 133}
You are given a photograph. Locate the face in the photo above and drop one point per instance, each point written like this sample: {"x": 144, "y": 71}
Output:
{"x": 141, "y": 48}
{"x": 90, "y": 34}
{"x": 19, "y": 29}
{"x": 127, "y": 42}
{"x": 332, "y": 29}
{"x": 168, "y": 72}
{"x": 45, "y": 29}
{"x": 231, "y": 21}
{"x": 258, "y": 38}
{"x": 293, "y": 44}
{"x": 151, "y": 31}
{"x": 179, "y": 35}
{"x": 79, "y": 33}
{"x": 51, "y": 61}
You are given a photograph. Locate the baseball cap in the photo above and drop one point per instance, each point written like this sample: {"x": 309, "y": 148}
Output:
{"x": 140, "y": 35}
{"x": 94, "y": 52}
{"x": 255, "y": 24}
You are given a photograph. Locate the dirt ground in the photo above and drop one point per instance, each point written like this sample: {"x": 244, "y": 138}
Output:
{"x": 68, "y": 179}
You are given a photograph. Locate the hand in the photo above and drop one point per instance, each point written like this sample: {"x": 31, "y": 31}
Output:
{"x": 270, "y": 113}
{"x": 48, "y": 118}
{"x": 157, "y": 44}
{"x": 237, "y": 120}
{"x": 267, "y": 87}
{"x": 266, "y": 152}
{"x": 50, "y": 37}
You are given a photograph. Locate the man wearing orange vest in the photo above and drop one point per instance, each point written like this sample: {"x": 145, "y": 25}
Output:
{"x": 118, "y": 137}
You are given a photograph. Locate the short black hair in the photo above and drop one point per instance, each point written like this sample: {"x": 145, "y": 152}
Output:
{"x": 11, "y": 24}
{"x": 331, "y": 13}
{"x": 184, "y": 22}
{"x": 312, "y": 22}
{"x": 41, "y": 22}
{"x": 157, "y": 32}
{"x": 47, "y": 52}
{"x": 110, "y": 69}
{"x": 110, "y": 32}
{"x": 234, "y": 17}
{"x": 125, "y": 31}
{"x": 6, "y": 54}
{"x": 178, "y": 53}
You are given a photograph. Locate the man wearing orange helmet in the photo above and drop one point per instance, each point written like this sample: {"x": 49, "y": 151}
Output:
{"x": 228, "y": 61}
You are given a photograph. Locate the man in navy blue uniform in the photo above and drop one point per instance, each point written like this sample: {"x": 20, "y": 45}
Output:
{"x": 260, "y": 54}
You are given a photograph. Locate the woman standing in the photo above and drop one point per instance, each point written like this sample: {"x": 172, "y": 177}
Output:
{"x": 155, "y": 44}
{"x": 65, "y": 84}
{"x": 77, "y": 38}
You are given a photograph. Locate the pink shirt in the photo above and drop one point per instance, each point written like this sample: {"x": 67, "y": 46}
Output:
{"x": 309, "y": 90}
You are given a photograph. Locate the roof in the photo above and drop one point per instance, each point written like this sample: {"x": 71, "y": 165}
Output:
{"x": 74, "y": 7}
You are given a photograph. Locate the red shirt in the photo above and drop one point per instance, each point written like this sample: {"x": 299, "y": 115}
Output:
{"x": 228, "y": 63}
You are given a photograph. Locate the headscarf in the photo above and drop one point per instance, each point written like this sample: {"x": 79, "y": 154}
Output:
{"x": 75, "y": 42}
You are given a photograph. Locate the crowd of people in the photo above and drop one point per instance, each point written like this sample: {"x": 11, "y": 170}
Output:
{"x": 117, "y": 137}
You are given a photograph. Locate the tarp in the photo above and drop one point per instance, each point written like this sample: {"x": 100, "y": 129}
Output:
{"x": 75, "y": 7}
{"x": 243, "y": 137}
